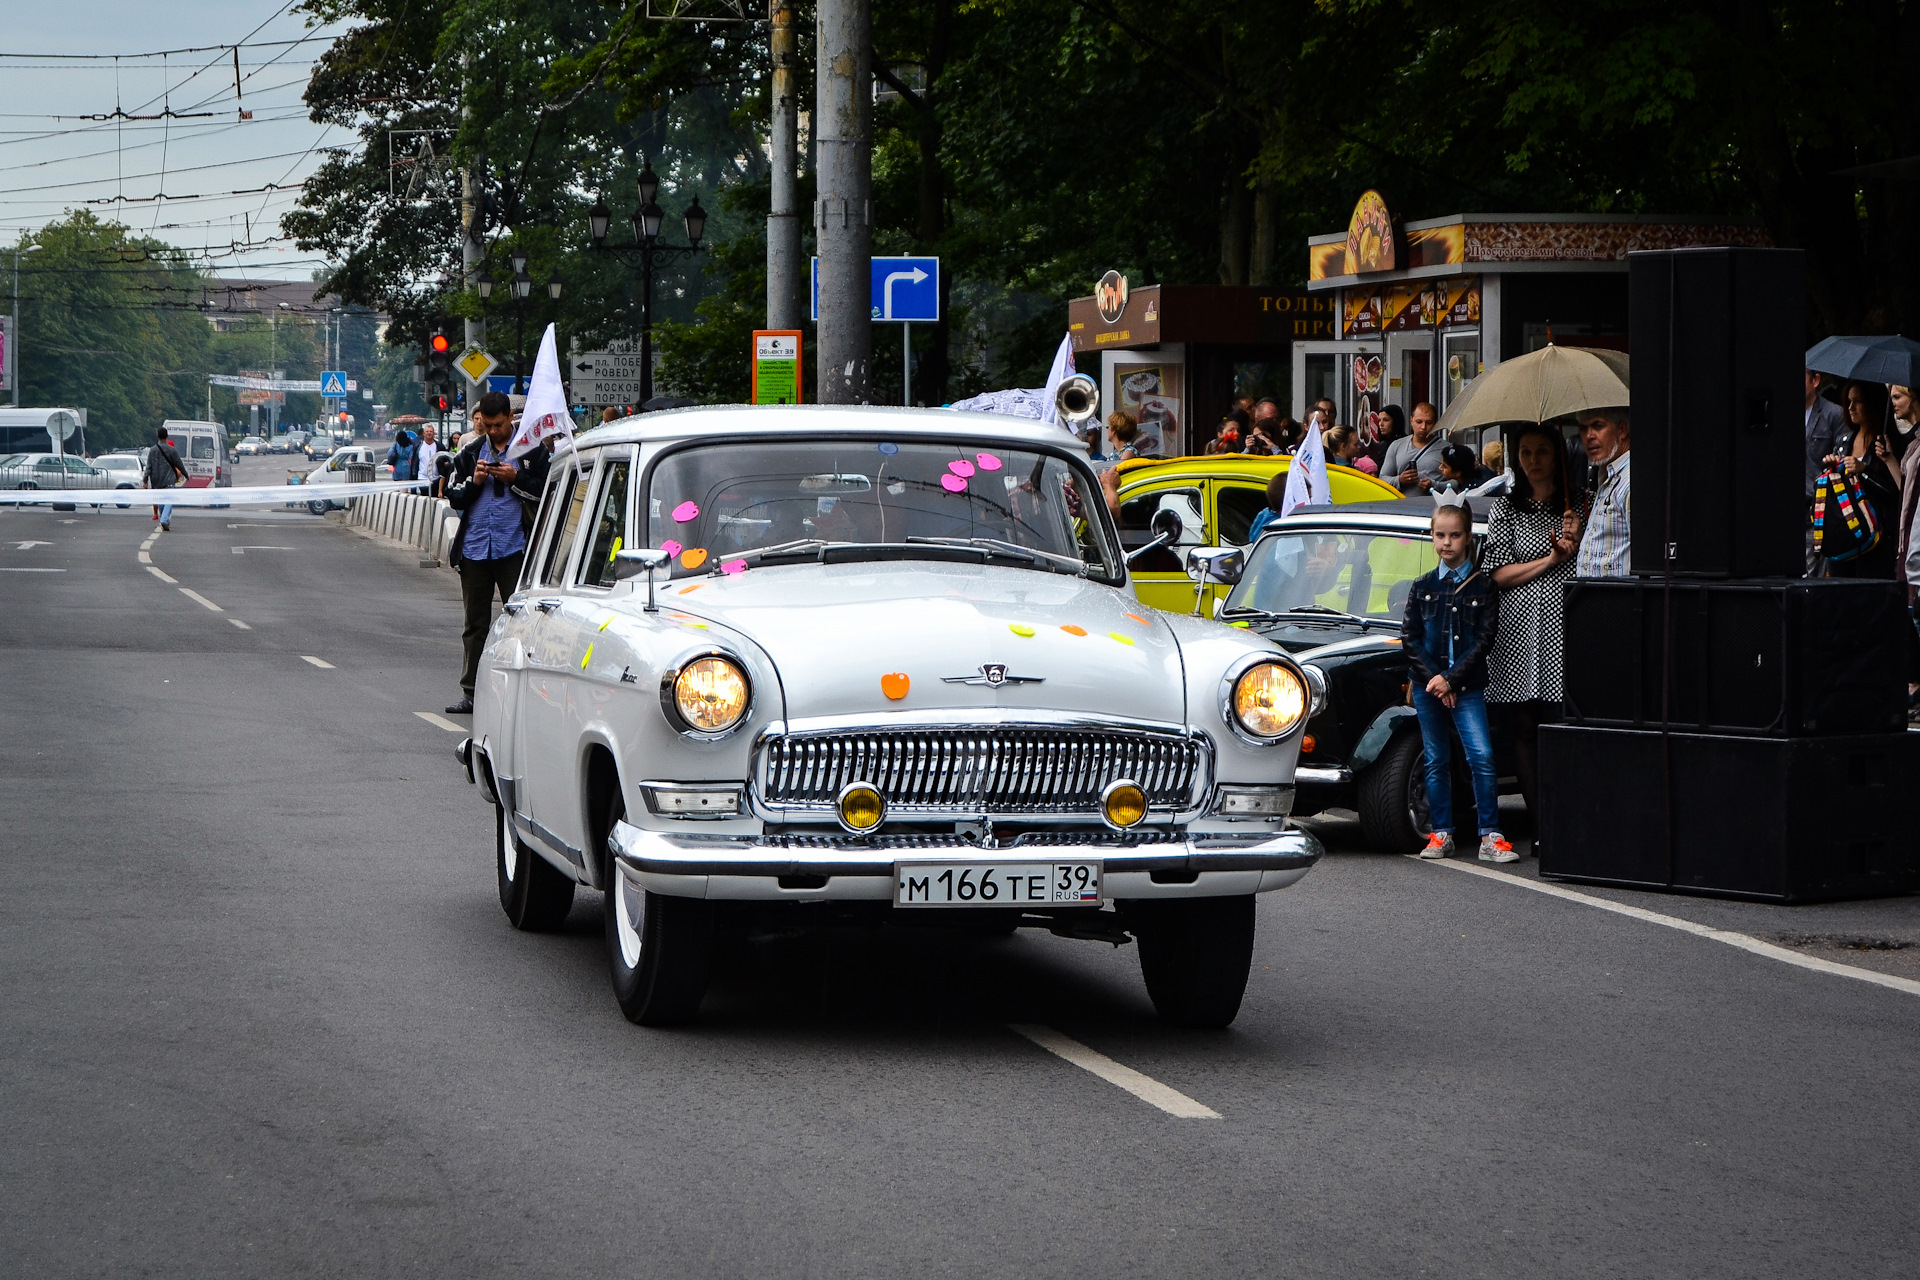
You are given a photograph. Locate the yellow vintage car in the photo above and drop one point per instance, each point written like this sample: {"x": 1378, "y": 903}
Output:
{"x": 1216, "y": 498}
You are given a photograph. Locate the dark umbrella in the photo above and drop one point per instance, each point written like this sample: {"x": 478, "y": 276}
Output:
{"x": 666, "y": 402}
{"x": 1891, "y": 359}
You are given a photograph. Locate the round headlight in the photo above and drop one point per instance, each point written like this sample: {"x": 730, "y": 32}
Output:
{"x": 861, "y": 807}
{"x": 710, "y": 694}
{"x": 1269, "y": 700}
{"x": 1123, "y": 804}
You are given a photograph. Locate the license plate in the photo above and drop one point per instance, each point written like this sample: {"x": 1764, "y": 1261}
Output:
{"x": 1000, "y": 884}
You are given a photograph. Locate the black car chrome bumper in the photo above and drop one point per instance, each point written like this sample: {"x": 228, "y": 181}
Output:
{"x": 745, "y": 867}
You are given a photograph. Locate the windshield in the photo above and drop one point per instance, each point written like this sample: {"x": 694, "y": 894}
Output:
{"x": 786, "y": 500}
{"x": 1366, "y": 574}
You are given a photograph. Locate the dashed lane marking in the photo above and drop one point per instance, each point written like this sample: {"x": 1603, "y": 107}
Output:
{"x": 161, "y": 575}
{"x": 145, "y": 558}
{"x": 321, "y": 663}
{"x": 197, "y": 598}
{"x": 12, "y": 570}
{"x": 441, "y": 722}
{"x": 236, "y": 622}
{"x": 1143, "y": 1087}
{"x": 1743, "y": 941}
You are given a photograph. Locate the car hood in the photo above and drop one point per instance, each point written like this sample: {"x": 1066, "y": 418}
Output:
{"x": 833, "y": 632}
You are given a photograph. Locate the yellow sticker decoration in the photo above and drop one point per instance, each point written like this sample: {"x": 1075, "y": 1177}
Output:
{"x": 1020, "y": 628}
{"x": 586, "y": 657}
{"x": 1122, "y": 639}
{"x": 607, "y": 623}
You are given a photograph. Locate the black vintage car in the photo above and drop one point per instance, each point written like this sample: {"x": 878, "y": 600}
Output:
{"x": 1329, "y": 584}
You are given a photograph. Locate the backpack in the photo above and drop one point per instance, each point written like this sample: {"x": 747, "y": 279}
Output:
{"x": 1843, "y": 521}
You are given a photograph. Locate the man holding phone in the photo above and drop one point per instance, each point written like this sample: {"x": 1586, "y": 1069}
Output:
{"x": 496, "y": 499}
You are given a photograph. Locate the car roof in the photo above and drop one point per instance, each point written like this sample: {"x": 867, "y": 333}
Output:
{"x": 1229, "y": 466}
{"x": 1399, "y": 513}
{"x": 787, "y": 419}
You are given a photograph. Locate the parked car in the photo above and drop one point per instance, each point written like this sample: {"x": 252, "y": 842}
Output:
{"x": 335, "y": 472}
{"x": 51, "y": 471}
{"x": 893, "y": 671}
{"x": 1216, "y": 499}
{"x": 124, "y": 468}
{"x": 1329, "y": 585}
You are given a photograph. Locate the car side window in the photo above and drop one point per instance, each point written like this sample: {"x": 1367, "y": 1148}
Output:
{"x": 78, "y": 467}
{"x": 551, "y": 500}
{"x": 1136, "y": 520}
{"x": 609, "y": 527}
{"x": 1238, "y": 506}
{"x": 570, "y": 502}
{"x": 203, "y": 448}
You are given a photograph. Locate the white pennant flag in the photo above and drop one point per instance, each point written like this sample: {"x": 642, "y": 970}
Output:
{"x": 1307, "y": 474}
{"x": 1062, "y": 370}
{"x": 545, "y": 414}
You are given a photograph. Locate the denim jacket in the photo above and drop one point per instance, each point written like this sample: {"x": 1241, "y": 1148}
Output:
{"x": 1440, "y": 611}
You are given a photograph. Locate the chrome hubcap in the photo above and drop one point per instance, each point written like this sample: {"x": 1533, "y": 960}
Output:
{"x": 627, "y": 906}
{"x": 509, "y": 848}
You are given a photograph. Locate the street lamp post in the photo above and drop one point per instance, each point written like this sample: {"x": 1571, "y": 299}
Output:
{"x": 647, "y": 248}
{"x": 13, "y": 334}
{"x": 522, "y": 286}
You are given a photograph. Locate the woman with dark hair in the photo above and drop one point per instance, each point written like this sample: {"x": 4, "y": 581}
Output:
{"x": 1389, "y": 425}
{"x": 1865, "y": 457}
{"x": 1532, "y": 535}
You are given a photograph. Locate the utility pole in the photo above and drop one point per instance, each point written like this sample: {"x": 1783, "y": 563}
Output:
{"x": 843, "y": 214}
{"x": 472, "y": 248}
{"x": 786, "y": 269}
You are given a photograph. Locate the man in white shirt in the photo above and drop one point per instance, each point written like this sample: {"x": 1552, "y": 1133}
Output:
{"x": 1606, "y": 535}
{"x": 429, "y": 451}
{"x": 1413, "y": 462}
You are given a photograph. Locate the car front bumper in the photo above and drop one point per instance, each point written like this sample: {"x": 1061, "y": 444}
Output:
{"x": 745, "y": 868}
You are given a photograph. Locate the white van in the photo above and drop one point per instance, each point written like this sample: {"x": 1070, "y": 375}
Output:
{"x": 202, "y": 447}
{"x": 43, "y": 431}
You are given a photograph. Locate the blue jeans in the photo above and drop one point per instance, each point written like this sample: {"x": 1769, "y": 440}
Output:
{"x": 166, "y": 513}
{"x": 1437, "y": 727}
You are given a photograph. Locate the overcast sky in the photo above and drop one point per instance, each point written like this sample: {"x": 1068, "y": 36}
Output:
{"x": 49, "y": 164}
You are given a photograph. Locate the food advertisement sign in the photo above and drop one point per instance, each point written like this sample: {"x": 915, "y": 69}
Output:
{"x": 1362, "y": 314}
{"x": 1370, "y": 239}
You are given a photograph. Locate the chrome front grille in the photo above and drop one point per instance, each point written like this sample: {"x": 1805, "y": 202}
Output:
{"x": 989, "y": 770}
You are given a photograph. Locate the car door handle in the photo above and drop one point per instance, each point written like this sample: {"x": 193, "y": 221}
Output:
{"x": 514, "y": 607}
{"x": 546, "y": 606}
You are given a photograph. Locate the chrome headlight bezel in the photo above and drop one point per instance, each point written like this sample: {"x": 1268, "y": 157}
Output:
{"x": 670, "y": 703}
{"x": 1230, "y": 684}
{"x": 1316, "y": 688}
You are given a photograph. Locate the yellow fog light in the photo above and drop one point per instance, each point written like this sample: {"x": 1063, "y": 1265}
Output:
{"x": 861, "y": 807}
{"x": 1269, "y": 700}
{"x": 710, "y": 695}
{"x": 1123, "y": 804}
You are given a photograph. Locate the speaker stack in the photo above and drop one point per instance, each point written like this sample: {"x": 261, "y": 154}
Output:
{"x": 1731, "y": 728}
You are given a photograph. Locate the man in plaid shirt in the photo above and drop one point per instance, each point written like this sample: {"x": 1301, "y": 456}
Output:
{"x": 1604, "y": 541}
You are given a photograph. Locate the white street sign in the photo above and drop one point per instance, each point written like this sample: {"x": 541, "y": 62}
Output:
{"x": 605, "y": 377}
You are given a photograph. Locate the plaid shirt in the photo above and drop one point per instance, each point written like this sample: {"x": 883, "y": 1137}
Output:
{"x": 1603, "y": 548}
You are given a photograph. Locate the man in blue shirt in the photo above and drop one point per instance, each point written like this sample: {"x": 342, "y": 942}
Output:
{"x": 496, "y": 500}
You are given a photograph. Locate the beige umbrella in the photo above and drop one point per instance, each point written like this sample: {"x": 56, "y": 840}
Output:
{"x": 1552, "y": 382}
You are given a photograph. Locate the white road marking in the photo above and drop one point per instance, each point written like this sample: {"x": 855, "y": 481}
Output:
{"x": 10, "y": 570}
{"x": 240, "y": 551}
{"x": 1745, "y": 942}
{"x": 28, "y": 546}
{"x": 441, "y": 722}
{"x": 145, "y": 558}
{"x": 158, "y": 574}
{"x": 193, "y": 595}
{"x": 322, "y": 663}
{"x": 1143, "y": 1087}
{"x": 236, "y": 622}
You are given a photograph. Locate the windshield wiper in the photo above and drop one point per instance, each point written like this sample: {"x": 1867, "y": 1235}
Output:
{"x": 1032, "y": 555}
{"x": 798, "y": 549}
{"x": 1324, "y": 611}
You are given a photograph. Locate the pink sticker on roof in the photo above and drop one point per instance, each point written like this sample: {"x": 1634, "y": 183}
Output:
{"x": 686, "y": 511}
{"x": 988, "y": 461}
{"x": 960, "y": 467}
{"x": 953, "y": 484}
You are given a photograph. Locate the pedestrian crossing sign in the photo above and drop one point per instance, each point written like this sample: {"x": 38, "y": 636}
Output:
{"x": 333, "y": 383}
{"x": 477, "y": 364}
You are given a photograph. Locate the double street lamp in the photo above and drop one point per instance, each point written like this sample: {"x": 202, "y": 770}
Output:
{"x": 522, "y": 287}
{"x": 647, "y": 248}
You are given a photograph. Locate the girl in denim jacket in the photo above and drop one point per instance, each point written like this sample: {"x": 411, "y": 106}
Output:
{"x": 1452, "y": 616}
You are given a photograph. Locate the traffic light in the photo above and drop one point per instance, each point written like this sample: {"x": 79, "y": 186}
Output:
{"x": 442, "y": 403}
{"x": 439, "y": 359}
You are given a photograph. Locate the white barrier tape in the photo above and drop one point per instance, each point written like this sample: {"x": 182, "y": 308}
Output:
{"x": 261, "y": 496}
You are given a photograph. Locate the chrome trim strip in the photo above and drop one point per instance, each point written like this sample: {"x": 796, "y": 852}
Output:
{"x": 1322, "y": 775}
{"x": 674, "y": 853}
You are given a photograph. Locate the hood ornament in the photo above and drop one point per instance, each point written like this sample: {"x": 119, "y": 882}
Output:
{"x": 993, "y": 675}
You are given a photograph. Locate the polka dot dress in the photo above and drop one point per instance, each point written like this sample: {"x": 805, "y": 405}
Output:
{"x": 1525, "y": 663}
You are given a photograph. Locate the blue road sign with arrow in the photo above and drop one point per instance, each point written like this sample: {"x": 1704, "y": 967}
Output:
{"x": 333, "y": 383}
{"x": 903, "y": 289}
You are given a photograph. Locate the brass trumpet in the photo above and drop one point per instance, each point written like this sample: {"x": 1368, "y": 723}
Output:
{"x": 1077, "y": 400}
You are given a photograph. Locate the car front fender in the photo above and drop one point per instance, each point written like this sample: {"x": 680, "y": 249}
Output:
{"x": 1378, "y": 735}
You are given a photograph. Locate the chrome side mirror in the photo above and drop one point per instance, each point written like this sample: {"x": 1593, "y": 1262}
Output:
{"x": 1223, "y": 565}
{"x": 645, "y": 559}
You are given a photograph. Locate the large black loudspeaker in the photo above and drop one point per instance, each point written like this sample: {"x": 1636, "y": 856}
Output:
{"x": 1787, "y": 819}
{"x": 1794, "y": 658}
{"x": 1717, "y": 343}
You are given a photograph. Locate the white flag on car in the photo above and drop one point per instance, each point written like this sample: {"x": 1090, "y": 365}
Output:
{"x": 545, "y": 413}
{"x": 1307, "y": 474}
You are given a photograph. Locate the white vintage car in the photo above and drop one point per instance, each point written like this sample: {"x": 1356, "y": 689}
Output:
{"x": 828, "y": 662}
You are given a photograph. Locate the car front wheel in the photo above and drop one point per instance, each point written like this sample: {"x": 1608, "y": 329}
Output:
{"x": 659, "y": 948}
{"x": 317, "y": 508}
{"x": 1195, "y": 954}
{"x": 535, "y": 896}
{"x": 1393, "y": 797}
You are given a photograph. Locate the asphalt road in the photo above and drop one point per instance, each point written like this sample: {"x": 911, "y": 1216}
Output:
{"x": 261, "y": 1015}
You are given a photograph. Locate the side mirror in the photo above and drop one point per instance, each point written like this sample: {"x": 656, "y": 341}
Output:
{"x": 635, "y": 560}
{"x": 1166, "y": 523}
{"x": 1223, "y": 565}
